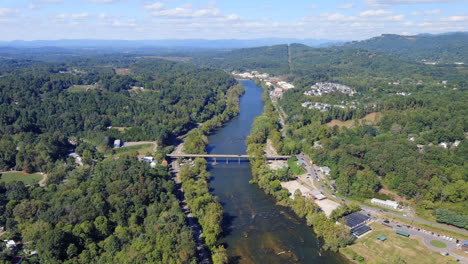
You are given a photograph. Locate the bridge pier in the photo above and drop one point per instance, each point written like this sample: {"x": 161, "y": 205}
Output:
{"x": 238, "y": 160}
{"x": 227, "y": 160}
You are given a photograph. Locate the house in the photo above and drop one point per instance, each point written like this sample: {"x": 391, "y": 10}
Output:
{"x": 325, "y": 170}
{"x": 411, "y": 137}
{"x": 117, "y": 143}
{"x": 388, "y": 203}
{"x": 443, "y": 144}
{"x": 164, "y": 162}
{"x": 456, "y": 143}
{"x": 10, "y": 244}
{"x": 148, "y": 159}
{"x": 2, "y": 229}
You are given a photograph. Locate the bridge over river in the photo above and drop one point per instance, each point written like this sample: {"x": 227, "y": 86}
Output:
{"x": 225, "y": 156}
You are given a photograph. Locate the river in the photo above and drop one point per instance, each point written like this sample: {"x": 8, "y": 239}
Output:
{"x": 256, "y": 229}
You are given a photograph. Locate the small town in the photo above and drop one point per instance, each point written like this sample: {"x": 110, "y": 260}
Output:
{"x": 322, "y": 88}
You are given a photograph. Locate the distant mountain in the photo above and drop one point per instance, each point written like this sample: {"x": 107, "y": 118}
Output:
{"x": 181, "y": 43}
{"x": 448, "y": 47}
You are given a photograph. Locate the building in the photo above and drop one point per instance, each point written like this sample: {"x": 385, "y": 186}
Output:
{"x": 325, "y": 170}
{"x": 388, "y": 203}
{"x": 357, "y": 222}
{"x": 117, "y": 143}
{"x": 316, "y": 194}
{"x": 10, "y": 244}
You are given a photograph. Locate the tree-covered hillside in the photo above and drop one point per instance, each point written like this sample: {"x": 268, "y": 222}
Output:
{"x": 272, "y": 59}
{"x": 444, "y": 48}
{"x": 157, "y": 100}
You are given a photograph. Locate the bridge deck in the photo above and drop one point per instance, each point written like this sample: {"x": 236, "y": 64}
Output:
{"x": 220, "y": 156}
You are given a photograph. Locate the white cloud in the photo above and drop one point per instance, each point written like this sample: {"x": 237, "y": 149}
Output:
{"x": 386, "y": 3}
{"x": 8, "y": 11}
{"x": 312, "y": 6}
{"x": 455, "y": 18}
{"x": 50, "y": 1}
{"x": 33, "y": 7}
{"x": 346, "y": 6}
{"x": 72, "y": 16}
{"x": 154, "y": 6}
{"x": 103, "y": 1}
{"x": 371, "y": 13}
{"x": 432, "y": 12}
{"x": 188, "y": 11}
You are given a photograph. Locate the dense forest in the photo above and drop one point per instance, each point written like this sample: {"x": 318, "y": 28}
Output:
{"x": 446, "y": 48}
{"x": 114, "y": 212}
{"x": 159, "y": 100}
{"x": 111, "y": 208}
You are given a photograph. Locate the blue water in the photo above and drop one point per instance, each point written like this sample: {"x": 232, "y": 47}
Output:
{"x": 256, "y": 229}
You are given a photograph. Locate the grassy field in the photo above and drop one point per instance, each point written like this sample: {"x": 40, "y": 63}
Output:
{"x": 21, "y": 176}
{"x": 371, "y": 119}
{"x": 411, "y": 250}
{"x": 141, "y": 149}
{"x": 438, "y": 244}
{"x": 80, "y": 88}
{"x": 295, "y": 168}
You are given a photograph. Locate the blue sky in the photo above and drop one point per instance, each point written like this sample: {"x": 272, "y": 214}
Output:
{"x": 226, "y": 19}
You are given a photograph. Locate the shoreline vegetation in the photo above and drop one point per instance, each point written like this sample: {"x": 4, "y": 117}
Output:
{"x": 194, "y": 179}
{"x": 267, "y": 127}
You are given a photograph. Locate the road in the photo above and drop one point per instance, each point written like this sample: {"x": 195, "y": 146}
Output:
{"x": 315, "y": 176}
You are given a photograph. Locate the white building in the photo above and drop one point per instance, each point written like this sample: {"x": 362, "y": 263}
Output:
{"x": 387, "y": 203}
{"x": 325, "y": 170}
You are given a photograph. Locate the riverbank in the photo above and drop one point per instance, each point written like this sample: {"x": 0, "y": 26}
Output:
{"x": 267, "y": 127}
{"x": 202, "y": 209}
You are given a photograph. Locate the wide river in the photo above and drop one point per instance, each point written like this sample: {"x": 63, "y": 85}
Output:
{"x": 256, "y": 229}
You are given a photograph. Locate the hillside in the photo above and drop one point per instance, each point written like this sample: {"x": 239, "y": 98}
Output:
{"x": 444, "y": 48}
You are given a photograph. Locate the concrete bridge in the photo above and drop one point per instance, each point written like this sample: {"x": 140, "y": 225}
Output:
{"x": 223, "y": 156}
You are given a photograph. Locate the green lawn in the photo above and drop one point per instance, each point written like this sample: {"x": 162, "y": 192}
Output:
{"x": 438, "y": 244}
{"x": 408, "y": 249}
{"x": 141, "y": 149}
{"x": 295, "y": 168}
{"x": 20, "y": 176}
{"x": 79, "y": 88}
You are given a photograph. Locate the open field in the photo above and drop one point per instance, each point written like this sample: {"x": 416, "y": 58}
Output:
{"x": 371, "y": 119}
{"x": 142, "y": 149}
{"x": 295, "y": 168}
{"x": 122, "y": 71}
{"x": 21, "y": 176}
{"x": 411, "y": 250}
{"x": 80, "y": 88}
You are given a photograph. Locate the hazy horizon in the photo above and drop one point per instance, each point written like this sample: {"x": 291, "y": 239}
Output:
{"x": 222, "y": 20}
